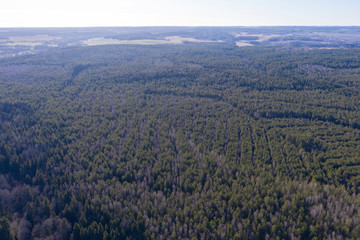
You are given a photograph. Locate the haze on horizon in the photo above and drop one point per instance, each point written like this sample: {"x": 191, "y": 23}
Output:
{"x": 92, "y": 13}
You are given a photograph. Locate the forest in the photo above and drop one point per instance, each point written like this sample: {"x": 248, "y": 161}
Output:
{"x": 190, "y": 141}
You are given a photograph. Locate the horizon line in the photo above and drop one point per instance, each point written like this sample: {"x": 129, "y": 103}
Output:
{"x": 182, "y": 26}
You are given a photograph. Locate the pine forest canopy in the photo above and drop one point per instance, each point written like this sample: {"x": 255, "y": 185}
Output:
{"x": 180, "y": 133}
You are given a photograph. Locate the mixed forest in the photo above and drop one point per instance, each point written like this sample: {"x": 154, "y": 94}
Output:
{"x": 190, "y": 141}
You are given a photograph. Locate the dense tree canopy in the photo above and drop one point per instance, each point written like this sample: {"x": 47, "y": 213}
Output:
{"x": 193, "y": 141}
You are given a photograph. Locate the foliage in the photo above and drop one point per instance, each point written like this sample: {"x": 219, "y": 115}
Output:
{"x": 194, "y": 141}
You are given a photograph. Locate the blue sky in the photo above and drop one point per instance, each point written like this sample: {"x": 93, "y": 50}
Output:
{"x": 76, "y": 13}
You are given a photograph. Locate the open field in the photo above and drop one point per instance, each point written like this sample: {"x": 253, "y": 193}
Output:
{"x": 27, "y": 44}
{"x": 257, "y": 38}
{"x": 168, "y": 40}
{"x": 110, "y": 41}
{"x": 178, "y": 39}
{"x": 243, "y": 44}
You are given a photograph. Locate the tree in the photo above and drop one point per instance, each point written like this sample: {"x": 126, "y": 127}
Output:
{"x": 5, "y": 230}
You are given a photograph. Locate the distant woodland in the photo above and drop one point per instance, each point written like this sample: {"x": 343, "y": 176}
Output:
{"x": 190, "y": 141}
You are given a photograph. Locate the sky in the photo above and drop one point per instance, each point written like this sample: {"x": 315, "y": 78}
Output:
{"x": 91, "y": 13}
